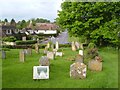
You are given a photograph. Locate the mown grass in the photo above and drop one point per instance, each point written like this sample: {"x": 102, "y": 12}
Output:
{"x": 19, "y": 75}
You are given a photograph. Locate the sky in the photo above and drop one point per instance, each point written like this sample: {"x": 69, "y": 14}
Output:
{"x": 27, "y": 9}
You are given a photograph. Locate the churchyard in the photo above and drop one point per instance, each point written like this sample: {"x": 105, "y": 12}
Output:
{"x": 70, "y": 69}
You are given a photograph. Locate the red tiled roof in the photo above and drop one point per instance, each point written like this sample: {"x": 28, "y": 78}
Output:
{"x": 46, "y": 26}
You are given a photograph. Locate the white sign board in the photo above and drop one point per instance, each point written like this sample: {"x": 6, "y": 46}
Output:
{"x": 41, "y": 72}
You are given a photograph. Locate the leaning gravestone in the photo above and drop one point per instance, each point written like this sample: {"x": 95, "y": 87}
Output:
{"x": 50, "y": 55}
{"x": 44, "y": 61}
{"x": 78, "y": 70}
{"x": 79, "y": 58}
{"x": 3, "y": 54}
{"x": 36, "y": 48}
{"x": 23, "y": 38}
{"x": 22, "y": 56}
{"x": 59, "y": 54}
{"x": 29, "y": 50}
{"x": 73, "y": 46}
{"x": 57, "y": 45}
{"x": 95, "y": 65}
{"x": 77, "y": 45}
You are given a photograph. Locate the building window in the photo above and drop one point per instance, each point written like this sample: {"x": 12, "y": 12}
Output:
{"x": 8, "y": 31}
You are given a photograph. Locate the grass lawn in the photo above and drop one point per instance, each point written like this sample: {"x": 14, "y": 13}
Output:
{"x": 19, "y": 75}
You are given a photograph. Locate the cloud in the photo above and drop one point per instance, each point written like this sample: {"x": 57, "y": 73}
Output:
{"x": 26, "y": 9}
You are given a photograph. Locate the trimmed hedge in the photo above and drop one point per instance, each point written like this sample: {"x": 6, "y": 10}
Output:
{"x": 31, "y": 46}
{"x": 26, "y": 42}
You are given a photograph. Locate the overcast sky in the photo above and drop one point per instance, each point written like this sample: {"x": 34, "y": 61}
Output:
{"x": 27, "y": 9}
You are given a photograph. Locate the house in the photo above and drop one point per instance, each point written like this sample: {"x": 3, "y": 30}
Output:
{"x": 42, "y": 28}
{"x": 7, "y": 30}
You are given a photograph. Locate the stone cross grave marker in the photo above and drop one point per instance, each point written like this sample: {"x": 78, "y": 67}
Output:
{"x": 22, "y": 56}
{"x": 44, "y": 61}
{"x": 78, "y": 70}
{"x": 50, "y": 55}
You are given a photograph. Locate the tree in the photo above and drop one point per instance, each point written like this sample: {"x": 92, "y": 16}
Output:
{"x": 23, "y": 24}
{"x": 96, "y": 21}
{"x": 5, "y": 20}
{"x": 13, "y": 23}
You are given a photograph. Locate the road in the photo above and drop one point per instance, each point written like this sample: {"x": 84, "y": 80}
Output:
{"x": 62, "y": 38}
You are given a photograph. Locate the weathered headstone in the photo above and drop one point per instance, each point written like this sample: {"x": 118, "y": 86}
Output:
{"x": 95, "y": 65}
{"x": 78, "y": 70}
{"x": 22, "y": 56}
{"x": 81, "y": 46}
{"x": 41, "y": 72}
{"x": 48, "y": 45}
{"x": 52, "y": 46}
{"x": 29, "y": 51}
{"x": 54, "y": 51}
{"x": 77, "y": 45}
{"x": 23, "y": 38}
{"x": 50, "y": 55}
{"x": 3, "y": 54}
{"x": 73, "y": 46}
{"x": 45, "y": 50}
{"x": 79, "y": 58}
{"x": 81, "y": 52}
{"x": 44, "y": 61}
{"x": 59, "y": 54}
{"x": 57, "y": 45}
{"x": 36, "y": 48}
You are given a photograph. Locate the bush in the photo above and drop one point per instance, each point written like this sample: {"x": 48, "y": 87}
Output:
{"x": 16, "y": 46}
{"x": 26, "y": 42}
{"x": 9, "y": 39}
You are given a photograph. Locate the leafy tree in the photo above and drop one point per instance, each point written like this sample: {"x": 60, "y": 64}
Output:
{"x": 96, "y": 21}
{"x": 5, "y": 20}
{"x": 13, "y": 23}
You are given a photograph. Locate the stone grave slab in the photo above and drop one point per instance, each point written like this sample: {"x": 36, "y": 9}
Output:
{"x": 44, "y": 61}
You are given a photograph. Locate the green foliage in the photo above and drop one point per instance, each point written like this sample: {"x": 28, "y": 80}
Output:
{"x": 96, "y": 21}
{"x": 9, "y": 39}
{"x": 91, "y": 45}
{"x": 26, "y": 42}
{"x": 13, "y": 23}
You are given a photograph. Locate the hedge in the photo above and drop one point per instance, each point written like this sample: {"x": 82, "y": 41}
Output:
{"x": 31, "y": 46}
{"x": 26, "y": 42}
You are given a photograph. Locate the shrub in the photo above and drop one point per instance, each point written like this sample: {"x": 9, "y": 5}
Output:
{"x": 91, "y": 45}
{"x": 9, "y": 39}
{"x": 26, "y": 42}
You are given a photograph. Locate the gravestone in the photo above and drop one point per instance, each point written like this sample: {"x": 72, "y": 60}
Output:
{"x": 59, "y": 54}
{"x": 23, "y": 38}
{"x": 54, "y": 51}
{"x": 41, "y": 72}
{"x": 36, "y": 48}
{"x": 22, "y": 56}
{"x": 81, "y": 52}
{"x": 44, "y": 61}
{"x": 95, "y": 65}
{"x": 45, "y": 50}
{"x": 77, "y": 45}
{"x": 50, "y": 55}
{"x": 57, "y": 45}
{"x": 52, "y": 46}
{"x": 98, "y": 58}
{"x": 29, "y": 50}
{"x": 78, "y": 70}
{"x": 79, "y": 58}
{"x": 81, "y": 46}
{"x": 3, "y": 54}
{"x": 48, "y": 45}
{"x": 73, "y": 46}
